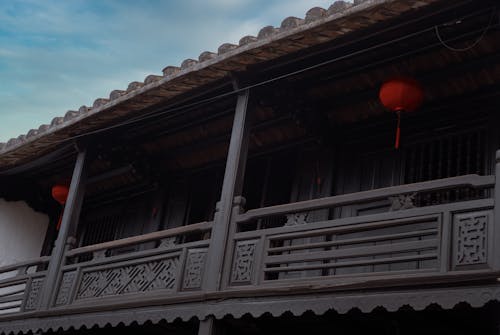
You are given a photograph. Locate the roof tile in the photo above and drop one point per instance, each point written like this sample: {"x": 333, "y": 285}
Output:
{"x": 31, "y": 133}
{"x": 43, "y": 128}
{"x": 12, "y": 142}
{"x": 291, "y": 22}
{"x": 134, "y": 85}
{"x": 315, "y": 13}
{"x": 188, "y": 63}
{"x": 152, "y": 78}
{"x": 267, "y": 31}
{"x": 170, "y": 70}
{"x": 83, "y": 109}
{"x": 226, "y": 47}
{"x": 116, "y": 94}
{"x": 56, "y": 121}
{"x": 247, "y": 39}
{"x": 206, "y": 55}
{"x": 100, "y": 102}
{"x": 70, "y": 114}
{"x": 338, "y": 6}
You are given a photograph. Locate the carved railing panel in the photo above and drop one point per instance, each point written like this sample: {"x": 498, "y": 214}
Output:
{"x": 471, "y": 239}
{"x": 167, "y": 266}
{"x": 244, "y": 261}
{"x": 195, "y": 268}
{"x": 129, "y": 278}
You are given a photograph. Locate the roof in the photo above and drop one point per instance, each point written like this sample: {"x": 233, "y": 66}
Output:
{"x": 294, "y": 34}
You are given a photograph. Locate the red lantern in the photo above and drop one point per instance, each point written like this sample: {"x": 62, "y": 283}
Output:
{"x": 401, "y": 94}
{"x": 60, "y": 194}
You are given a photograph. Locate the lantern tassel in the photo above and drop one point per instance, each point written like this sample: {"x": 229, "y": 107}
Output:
{"x": 398, "y": 131}
{"x": 60, "y": 220}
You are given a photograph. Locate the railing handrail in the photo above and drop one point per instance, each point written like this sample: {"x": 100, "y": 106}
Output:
{"x": 27, "y": 263}
{"x": 470, "y": 180}
{"x": 202, "y": 226}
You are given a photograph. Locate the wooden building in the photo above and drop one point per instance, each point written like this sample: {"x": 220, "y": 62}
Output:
{"x": 257, "y": 190}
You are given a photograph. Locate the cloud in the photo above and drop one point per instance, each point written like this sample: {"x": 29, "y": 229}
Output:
{"x": 58, "y": 55}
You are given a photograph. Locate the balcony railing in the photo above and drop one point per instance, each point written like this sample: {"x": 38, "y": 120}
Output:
{"x": 308, "y": 247}
{"x": 401, "y": 245}
{"x": 18, "y": 282}
{"x": 164, "y": 263}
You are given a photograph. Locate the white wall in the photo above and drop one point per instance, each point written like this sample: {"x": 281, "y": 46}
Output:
{"x": 22, "y": 231}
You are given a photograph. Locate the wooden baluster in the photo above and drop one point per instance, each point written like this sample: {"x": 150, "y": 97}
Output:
{"x": 448, "y": 166}
{"x": 458, "y": 161}
{"x": 479, "y": 159}
{"x": 468, "y": 169}
{"x": 440, "y": 158}
{"x": 430, "y": 171}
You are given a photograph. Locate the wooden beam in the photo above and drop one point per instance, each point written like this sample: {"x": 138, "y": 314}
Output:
{"x": 232, "y": 186}
{"x": 69, "y": 224}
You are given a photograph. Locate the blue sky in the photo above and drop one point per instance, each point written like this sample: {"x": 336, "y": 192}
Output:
{"x": 56, "y": 55}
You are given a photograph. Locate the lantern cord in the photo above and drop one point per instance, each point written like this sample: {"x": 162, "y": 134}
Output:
{"x": 476, "y": 42}
{"x": 398, "y": 130}
{"x": 59, "y": 221}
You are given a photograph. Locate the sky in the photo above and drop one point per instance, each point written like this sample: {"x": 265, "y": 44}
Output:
{"x": 57, "y": 55}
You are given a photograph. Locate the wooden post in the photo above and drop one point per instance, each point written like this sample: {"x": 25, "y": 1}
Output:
{"x": 496, "y": 214}
{"x": 231, "y": 186}
{"x": 207, "y": 326}
{"x": 67, "y": 230}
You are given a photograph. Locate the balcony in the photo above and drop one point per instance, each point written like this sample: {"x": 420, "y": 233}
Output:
{"x": 406, "y": 245}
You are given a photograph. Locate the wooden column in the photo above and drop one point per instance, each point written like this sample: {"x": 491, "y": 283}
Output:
{"x": 496, "y": 214}
{"x": 67, "y": 230}
{"x": 207, "y": 326}
{"x": 231, "y": 187}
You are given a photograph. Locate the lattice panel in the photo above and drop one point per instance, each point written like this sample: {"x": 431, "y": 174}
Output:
{"x": 470, "y": 245}
{"x": 143, "y": 277}
{"x": 244, "y": 260}
{"x": 63, "y": 296}
{"x": 195, "y": 266}
{"x": 34, "y": 294}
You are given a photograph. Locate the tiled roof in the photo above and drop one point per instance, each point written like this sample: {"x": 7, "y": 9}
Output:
{"x": 271, "y": 42}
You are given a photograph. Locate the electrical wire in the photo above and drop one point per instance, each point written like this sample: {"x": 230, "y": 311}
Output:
{"x": 467, "y": 48}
